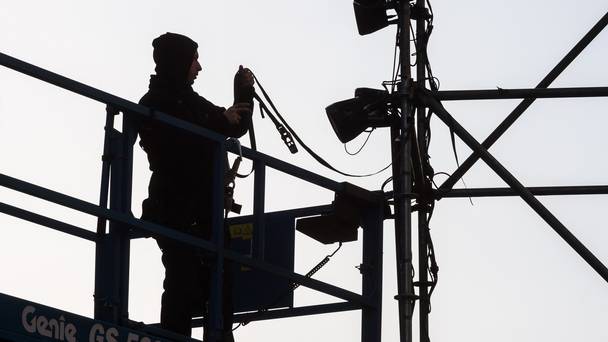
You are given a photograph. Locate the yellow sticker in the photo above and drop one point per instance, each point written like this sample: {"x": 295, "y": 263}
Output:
{"x": 243, "y": 231}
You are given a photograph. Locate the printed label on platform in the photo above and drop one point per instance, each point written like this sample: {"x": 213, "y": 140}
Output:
{"x": 60, "y": 329}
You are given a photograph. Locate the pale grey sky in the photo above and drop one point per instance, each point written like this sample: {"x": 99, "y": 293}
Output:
{"x": 504, "y": 274}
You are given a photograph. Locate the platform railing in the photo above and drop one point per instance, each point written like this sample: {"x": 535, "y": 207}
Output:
{"x": 113, "y": 243}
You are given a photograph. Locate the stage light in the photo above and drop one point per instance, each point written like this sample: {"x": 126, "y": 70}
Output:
{"x": 349, "y": 118}
{"x": 342, "y": 223}
{"x": 370, "y": 15}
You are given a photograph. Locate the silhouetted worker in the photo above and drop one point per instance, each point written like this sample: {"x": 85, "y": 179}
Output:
{"x": 179, "y": 194}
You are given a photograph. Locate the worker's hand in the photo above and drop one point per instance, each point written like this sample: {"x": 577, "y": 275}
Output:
{"x": 245, "y": 77}
{"x": 234, "y": 113}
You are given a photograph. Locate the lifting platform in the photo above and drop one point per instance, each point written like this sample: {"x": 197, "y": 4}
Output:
{"x": 263, "y": 242}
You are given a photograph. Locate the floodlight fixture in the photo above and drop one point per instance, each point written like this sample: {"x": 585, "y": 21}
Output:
{"x": 370, "y": 15}
{"x": 343, "y": 222}
{"x": 368, "y": 109}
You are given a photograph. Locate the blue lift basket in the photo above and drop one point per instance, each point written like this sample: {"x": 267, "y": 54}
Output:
{"x": 262, "y": 251}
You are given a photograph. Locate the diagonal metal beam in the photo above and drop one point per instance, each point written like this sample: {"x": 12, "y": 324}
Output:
{"x": 524, "y": 193}
{"x": 519, "y": 110}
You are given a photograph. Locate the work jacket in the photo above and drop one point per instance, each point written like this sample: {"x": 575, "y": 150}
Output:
{"x": 179, "y": 194}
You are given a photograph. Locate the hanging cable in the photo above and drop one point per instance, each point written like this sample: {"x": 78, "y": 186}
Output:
{"x": 424, "y": 173}
{"x": 291, "y": 133}
{"x": 362, "y": 146}
{"x": 386, "y": 182}
{"x": 393, "y": 75}
{"x": 294, "y": 285}
{"x": 318, "y": 266}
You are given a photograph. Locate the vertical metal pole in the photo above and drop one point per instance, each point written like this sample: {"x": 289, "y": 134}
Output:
{"x": 112, "y": 240}
{"x": 117, "y": 241}
{"x": 421, "y": 58}
{"x": 371, "y": 270}
{"x": 101, "y": 307}
{"x": 105, "y": 168}
{"x": 129, "y": 135}
{"x": 402, "y": 184}
{"x": 112, "y": 249}
{"x": 259, "y": 193}
{"x": 215, "y": 310}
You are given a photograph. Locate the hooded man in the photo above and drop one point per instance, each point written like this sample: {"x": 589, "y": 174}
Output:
{"x": 179, "y": 193}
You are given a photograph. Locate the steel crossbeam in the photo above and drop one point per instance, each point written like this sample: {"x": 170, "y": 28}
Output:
{"x": 503, "y": 94}
{"x": 537, "y": 191}
{"x": 506, "y": 176}
{"x": 526, "y": 103}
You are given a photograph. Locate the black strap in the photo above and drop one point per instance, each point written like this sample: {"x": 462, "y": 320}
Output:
{"x": 285, "y": 135}
{"x": 318, "y": 158}
{"x": 253, "y": 147}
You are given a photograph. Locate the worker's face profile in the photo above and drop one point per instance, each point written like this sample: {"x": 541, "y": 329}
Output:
{"x": 195, "y": 67}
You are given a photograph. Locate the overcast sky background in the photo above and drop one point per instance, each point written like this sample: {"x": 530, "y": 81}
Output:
{"x": 504, "y": 274}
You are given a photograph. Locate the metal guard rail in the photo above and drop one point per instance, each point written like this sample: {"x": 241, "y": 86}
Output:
{"x": 115, "y": 242}
{"x": 129, "y": 107}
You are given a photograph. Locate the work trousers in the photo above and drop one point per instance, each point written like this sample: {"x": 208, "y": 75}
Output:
{"x": 187, "y": 289}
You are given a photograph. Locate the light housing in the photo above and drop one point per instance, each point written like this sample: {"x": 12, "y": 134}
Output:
{"x": 342, "y": 223}
{"x": 349, "y": 118}
{"x": 370, "y": 15}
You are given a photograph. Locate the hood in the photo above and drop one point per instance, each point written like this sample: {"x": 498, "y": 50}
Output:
{"x": 173, "y": 54}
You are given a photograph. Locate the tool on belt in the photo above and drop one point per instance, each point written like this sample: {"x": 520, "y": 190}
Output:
{"x": 229, "y": 177}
